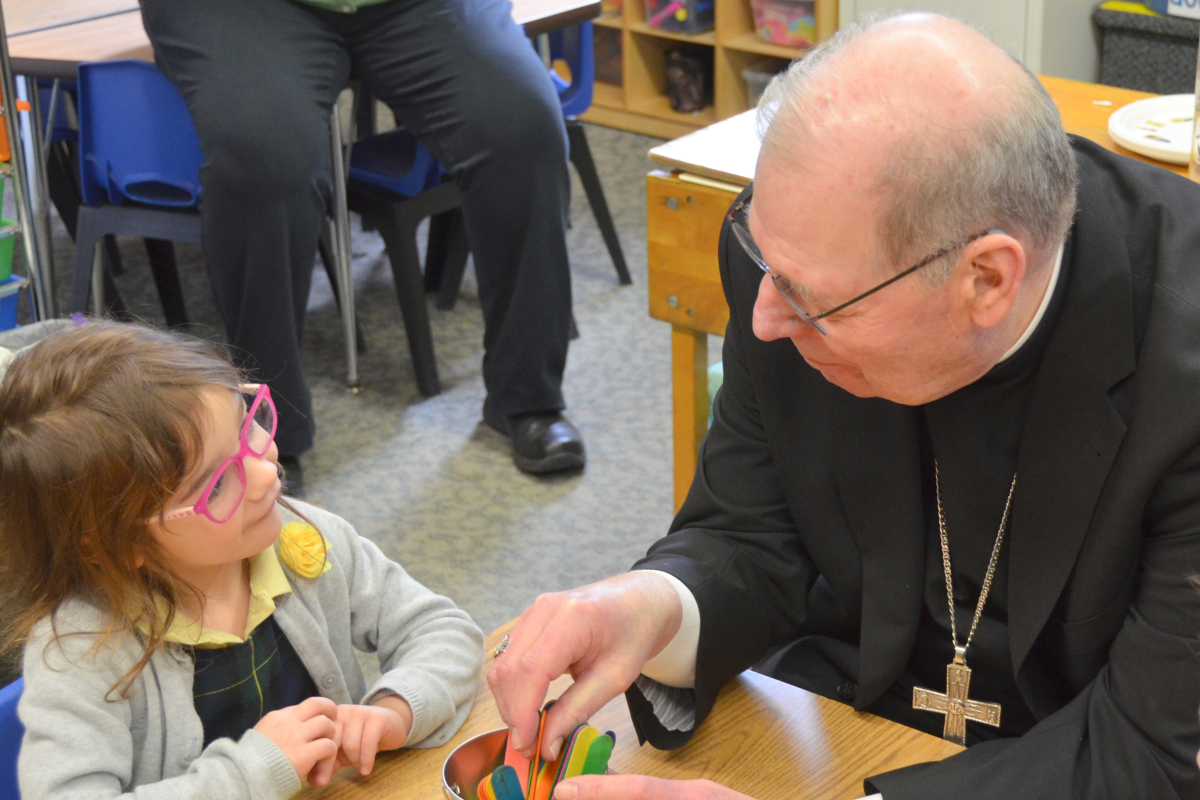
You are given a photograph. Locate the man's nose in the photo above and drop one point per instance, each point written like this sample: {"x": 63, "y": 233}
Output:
{"x": 774, "y": 318}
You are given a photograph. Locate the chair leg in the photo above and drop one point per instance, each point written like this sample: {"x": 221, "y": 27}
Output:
{"x": 86, "y": 238}
{"x": 455, "y": 252}
{"x": 330, "y": 264}
{"x": 166, "y": 279}
{"x": 399, "y": 230}
{"x": 62, "y": 171}
{"x": 440, "y": 228}
{"x": 112, "y": 251}
{"x": 581, "y": 157}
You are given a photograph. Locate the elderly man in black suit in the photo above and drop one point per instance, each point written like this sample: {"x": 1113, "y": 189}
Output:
{"x": 953, "y": 476}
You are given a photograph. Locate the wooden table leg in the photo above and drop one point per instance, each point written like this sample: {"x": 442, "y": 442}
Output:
{"x": 689, "y": 384}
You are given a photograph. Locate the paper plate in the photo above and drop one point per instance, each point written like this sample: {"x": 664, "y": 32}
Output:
{"x": 1158, "y": 127}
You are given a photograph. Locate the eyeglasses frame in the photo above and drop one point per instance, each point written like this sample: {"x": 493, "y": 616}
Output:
{"x": 262, "y": 393}
{"x": 742, "y": 233}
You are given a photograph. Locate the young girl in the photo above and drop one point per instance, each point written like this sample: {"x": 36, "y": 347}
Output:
{"x": 176, "y": 643}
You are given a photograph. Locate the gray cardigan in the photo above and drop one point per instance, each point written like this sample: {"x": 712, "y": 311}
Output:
{"x": 81, "y": 746}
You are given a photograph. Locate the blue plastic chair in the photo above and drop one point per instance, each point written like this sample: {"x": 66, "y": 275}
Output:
{"x": 139, "y": 162}
{"x": 574, "y": 46}
{"x": 11, "y": 731}
{"x": 137, "y": 141}
{"x": 395, "y": 183}
{"x": 139, "y": 169}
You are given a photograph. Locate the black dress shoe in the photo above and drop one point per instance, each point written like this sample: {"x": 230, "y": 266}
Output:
{"x": 542, "y": 442}
{"x": 292, "y": 477}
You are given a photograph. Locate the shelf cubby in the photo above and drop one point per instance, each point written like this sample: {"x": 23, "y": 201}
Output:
{"x": 641, "y": 104}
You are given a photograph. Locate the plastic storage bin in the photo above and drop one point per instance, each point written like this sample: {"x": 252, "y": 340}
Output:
{"x": 689, "y": 78}
{"x": 757, "y": 76}
{"x": 1147, "y": 53}
{"x": 787, "y": 22}
{"x": 684, "y": 16}
{"x": 7, "y": 242}
{"x": 10, "y": 289}
{"x": 609, "y": 54}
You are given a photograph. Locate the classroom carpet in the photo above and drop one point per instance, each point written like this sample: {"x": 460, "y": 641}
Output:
{"x": 424, "y": 478}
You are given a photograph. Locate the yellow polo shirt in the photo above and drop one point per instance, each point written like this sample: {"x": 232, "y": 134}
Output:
{"x": 267, "y": 581}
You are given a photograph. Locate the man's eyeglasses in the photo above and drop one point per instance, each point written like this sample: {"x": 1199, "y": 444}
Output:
{"x": 739, "y": 217}
{"x": 224, "y": 491}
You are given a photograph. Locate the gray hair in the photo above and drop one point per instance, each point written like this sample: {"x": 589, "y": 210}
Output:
{"x": 1014, "y": 170}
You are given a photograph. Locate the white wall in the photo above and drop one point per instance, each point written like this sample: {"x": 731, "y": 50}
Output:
{"x": 1051, "y": 36}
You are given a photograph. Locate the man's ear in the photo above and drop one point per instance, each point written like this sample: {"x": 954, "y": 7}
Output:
{"x": 992, "y": 279}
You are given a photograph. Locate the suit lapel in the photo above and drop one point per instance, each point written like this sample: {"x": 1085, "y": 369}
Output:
{"x": 879, "y": 479}
{"x": 1072, "y": 432}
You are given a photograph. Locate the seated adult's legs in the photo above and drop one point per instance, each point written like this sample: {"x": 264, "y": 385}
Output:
{"x": 465, "y": 79}
{"x": 260, "y": 78}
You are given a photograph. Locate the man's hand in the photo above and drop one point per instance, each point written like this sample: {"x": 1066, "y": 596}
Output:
{"x": 602, "y": 634}
{"x": 306, "y": 732}
{"x": 639, "y": 787}
{"x": 362, "y": 732}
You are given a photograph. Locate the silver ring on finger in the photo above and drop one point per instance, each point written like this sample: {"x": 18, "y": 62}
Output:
{"x": 500, "y": 648}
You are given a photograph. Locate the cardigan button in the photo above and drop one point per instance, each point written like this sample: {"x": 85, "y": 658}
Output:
{"x": 847, "y": 690}
{"x": 328, "y": 680}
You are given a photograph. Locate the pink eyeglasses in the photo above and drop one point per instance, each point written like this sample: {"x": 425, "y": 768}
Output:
{"x": 227, "y": 487}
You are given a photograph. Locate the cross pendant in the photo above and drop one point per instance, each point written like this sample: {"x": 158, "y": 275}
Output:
{"x": 955, "y": 704}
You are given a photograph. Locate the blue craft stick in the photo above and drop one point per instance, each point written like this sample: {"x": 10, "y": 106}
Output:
{"x": 506, "y": 784}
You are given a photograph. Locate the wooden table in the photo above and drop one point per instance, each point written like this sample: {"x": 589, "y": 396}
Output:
{"x": 765, "y": 738}
{"x": 684, "y": 212}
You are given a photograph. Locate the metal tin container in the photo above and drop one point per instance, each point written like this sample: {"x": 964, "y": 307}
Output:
{"x": 468, "y": 763}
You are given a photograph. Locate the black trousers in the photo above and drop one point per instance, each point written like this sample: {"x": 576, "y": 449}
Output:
{"x": 261, "y": 78}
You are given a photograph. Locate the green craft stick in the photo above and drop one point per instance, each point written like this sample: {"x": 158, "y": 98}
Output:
{"x": 597, "y": 757}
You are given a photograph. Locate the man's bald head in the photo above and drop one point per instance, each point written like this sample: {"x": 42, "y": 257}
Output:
{"x": 948, "y": 135}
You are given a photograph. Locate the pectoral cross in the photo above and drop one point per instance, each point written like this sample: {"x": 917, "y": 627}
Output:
{"x": 955, "y": 703}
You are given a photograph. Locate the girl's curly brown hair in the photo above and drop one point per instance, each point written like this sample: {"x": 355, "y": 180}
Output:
{"x": 98, "y": 428}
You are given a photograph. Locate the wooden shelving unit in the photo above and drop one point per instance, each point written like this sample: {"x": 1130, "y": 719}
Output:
{"x": 640, "y": 104}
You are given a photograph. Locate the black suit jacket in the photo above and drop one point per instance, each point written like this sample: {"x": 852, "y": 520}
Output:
{"x": 804, "y": 525}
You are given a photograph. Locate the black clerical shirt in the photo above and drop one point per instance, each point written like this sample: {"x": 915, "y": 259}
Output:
{"x": 974, "y": 434}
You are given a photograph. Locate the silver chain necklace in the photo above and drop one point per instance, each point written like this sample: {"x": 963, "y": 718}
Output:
{"x": 955, "y": 703}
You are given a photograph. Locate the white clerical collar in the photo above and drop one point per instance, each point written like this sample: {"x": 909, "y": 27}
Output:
{"x": 1041, "y": 312}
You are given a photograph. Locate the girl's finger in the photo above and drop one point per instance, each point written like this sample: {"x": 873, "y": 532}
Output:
{"x": 369, "y": 744}
{"x": 322, "y": 771}
{"x": 319, "y": 727}
{"x": 351, "y": 739}
{"x": 314, "y": 706}
{"x": 317, "y": 751}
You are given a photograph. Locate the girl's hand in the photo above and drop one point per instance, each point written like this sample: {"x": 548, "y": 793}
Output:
{"x": 306, "y": 733}
{"x": 364, "y": 731}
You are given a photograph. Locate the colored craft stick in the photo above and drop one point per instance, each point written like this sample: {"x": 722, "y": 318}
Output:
{"x": 570, "y": 763}
{"x": 485, "y": 788}
{"x": 505, "y": 784}
{"x": 536, "y": 761}
{"x": 514, "y": 759}
{"x": 545, "y": 781}
{"x": 597, "y": 757}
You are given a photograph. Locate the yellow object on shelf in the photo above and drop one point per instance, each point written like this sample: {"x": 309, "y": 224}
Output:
{"x": 1128, "y": 8}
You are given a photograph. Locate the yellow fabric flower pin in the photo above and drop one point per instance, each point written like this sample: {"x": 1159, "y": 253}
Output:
{"x": 304, "y": 550}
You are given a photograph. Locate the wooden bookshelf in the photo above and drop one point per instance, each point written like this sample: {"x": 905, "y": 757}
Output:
{"x": 640, "y": 104}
